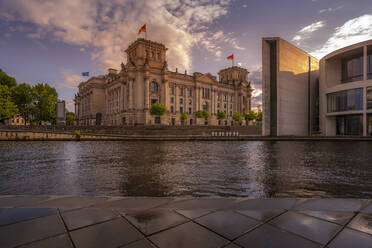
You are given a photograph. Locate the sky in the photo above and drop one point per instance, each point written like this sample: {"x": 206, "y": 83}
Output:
{"x": 55, "y": 41}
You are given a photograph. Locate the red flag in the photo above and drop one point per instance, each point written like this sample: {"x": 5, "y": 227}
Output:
{"x": 142, "y": 29}
{"x": 231, "y": 57}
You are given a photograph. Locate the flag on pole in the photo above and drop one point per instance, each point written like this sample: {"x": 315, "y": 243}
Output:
{"x": 231, "y": 57}
{"x": 142, "y": 29}
{"x": 85, "y": 74}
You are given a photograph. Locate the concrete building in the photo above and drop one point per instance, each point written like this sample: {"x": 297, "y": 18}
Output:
{"x": 346, "y": 91}
{"x": 124, "y": 97}
{"x": 304, "y": 97}
{"x": 289, "y": 82}
{"x": 61, "y": 112}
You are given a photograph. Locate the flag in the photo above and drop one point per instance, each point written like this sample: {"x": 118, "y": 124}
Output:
{"x": 231, "y": 57}
{"x": 85, "y": 74}
{"x": 142, "y": 29}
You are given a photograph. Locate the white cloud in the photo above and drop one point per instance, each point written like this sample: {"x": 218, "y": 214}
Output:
{"x": 330, "y": 9}
{"x": 70, "y": 105}
{"x": 244, "y": 6}
{"x": 353, "y": 31}
{"x": 110, "y": 26}
{"x": 69, "y": 81}
{"x": 255, "y": 77}
{"x": 305, "y": 32}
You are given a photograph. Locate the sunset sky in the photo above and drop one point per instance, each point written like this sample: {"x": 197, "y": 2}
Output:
{"x": 54, "y": 41}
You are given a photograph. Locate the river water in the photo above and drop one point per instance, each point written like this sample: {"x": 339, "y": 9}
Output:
{"x": 136, "y": 168}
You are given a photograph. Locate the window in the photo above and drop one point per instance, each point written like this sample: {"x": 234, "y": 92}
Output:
{"x": 172, "y": 109}
{"x": 152, "y": 55}
{"x": 218, "y": 105}
{"x": 225, "y": 98}
{"x": 352, "y": 69}
{"x": 205, "y": 106}
{"x": 190, "y": 111}
{"x": 231, "y": 98}
{"x": 369, "y": 124}
{"x": 181, "y": 109}
{"x": 153, "y": 87}
{"x": 172, "y": 90}
{"x": 231, "y": 106}
{"x": 224, "y": 105}
{"x": 172, "y": 99}
{"x": 345, "y": 100}
{"x": 181, "y": 91}
{"x": 190, "y": 92}
{"x": 147, "y": 53}
{"x": 181, "y": 100}
{"x": 349, "y": 125}
{"x": 158, "y": 56}
{"x": 190, "y": 101}
{"x": 369, "y": 66}
{"x": 154, "y": 101}
{"x": 230, "y": 113}
{"x": 369, "y": 97}
{"x": 219, "y": 97}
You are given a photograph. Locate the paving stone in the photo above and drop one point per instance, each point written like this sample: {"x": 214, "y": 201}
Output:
{"x": 324, "y": 204}
{"x": 192, "y": 214}
{"x": 227, "y": 223}
{"x": 17, "y": 201}
{"x": 260, "y": 215}
{"x": 362, "y": 222}
{"x": 349, "y": 238}
{"x": 12, "y": 215}
{"x": 186, "y": 236}
{"x": 267, "y": 236}
{"x": 86, "y": 216}
{"x": 203, "y": 203}
{"x": 317, "y": 230}
{"x": 71, "y": 202}
{"x": 138, "y": 203}
{"x": 155, "y": 220}
{"x": 143, "y": 243}
{"x": 368, "y": 208}
{"x": 113, "y": 233}
{"x": 337, "y": 217}
{"x": 31, "y": 230}
{"x": 60, "y": 241}
{"x": 266, "y": 204}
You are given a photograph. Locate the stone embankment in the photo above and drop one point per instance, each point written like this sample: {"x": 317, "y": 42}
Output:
{"x": 83, "y": 221}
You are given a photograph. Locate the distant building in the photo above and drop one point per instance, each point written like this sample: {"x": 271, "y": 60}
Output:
{"x": 61, "y": 112}
{"x": 17, "y": 120}
{"x": 300, "y": 98}
{"x": 125, "y": 97}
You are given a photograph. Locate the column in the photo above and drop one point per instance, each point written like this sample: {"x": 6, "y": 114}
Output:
{"x": 165, "y": 92}
{"x": 146, "y": 96}
{"x": 176, "y": 99}
{"x": 200, "y": 98}
{"x": 130, "y": 90}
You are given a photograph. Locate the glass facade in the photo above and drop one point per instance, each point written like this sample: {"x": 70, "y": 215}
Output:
{"x": 369, "y": 124}
{"x": 369, "y": 97}
{"x": 349, "y": 125}
{"x": 352, "y": 69}
{"x": 345, "y": 100}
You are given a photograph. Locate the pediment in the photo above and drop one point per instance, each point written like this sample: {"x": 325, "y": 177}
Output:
{"x": 207, "y": 78}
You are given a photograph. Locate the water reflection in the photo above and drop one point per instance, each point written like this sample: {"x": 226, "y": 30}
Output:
{"x": 255, "y": 169}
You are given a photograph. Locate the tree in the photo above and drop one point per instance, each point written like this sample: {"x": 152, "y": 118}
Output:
{"x": 7, "y": 80}
{"x": 70, "y": 118}
{"x": 7, "y": 108}
{"x": 259, "y": 115}
{"x": 237, "y": 116}
{"x": 221, "y": 115}
{"x": 251, "y": 115}
{"x": 158, "y": 110}
{"x": 22, "y": 96}
{"x": 203, "y": 114}
{"x": 45, "y": 103}
{"x": 184, "y": 116}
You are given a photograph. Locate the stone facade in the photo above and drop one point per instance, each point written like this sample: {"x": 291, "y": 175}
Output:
{"x": 124, "y": 97}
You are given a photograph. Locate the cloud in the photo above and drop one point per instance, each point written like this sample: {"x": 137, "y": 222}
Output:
{"x": 305, "y": 32}
{"x": 330, "y": 9}
{"x": 108, "y": 27}
{"x": 255, "y": 77}
{"x": 70, "y": 105}
{"x": 351, "y": 32}
{"x": 70, "y": 81}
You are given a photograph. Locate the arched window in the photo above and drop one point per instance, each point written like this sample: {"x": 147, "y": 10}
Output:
{"x": 153, "y": 87}
{"x": 205, "y": 106}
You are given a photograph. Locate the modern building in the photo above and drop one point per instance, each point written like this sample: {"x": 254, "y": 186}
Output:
{"x": 304, "y": 97}
{"x": 289, "y": 86}
{"x": 61, "y": 112}
{"x": 124, "y": 97}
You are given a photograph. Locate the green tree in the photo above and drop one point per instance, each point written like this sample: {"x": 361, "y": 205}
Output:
{"x": 7, "y": 80}
{"x": 7, "y": 107}
{"x": 70, "y": 118}
{"x": 259, "y": 115}
{"x": 184, "y": 116}
{"x": 237, "y": 116}
{"x": 221, "y": 115}
{"x": 22, "y": 96}
{"x": 251, "y": 115}
{"x": 158, "y": 110}
{"x": 45, "y": 103}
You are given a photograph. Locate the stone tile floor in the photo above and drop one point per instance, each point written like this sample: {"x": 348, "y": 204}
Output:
{"x": 136, "y": 222}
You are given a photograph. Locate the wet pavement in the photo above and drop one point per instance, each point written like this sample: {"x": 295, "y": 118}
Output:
{"x": 136, "y": 222}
